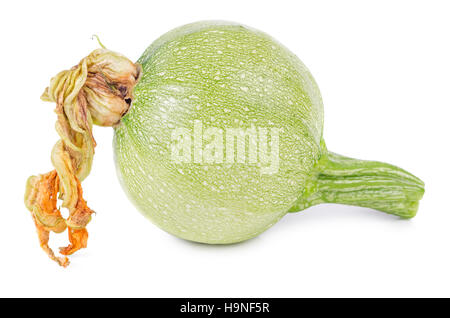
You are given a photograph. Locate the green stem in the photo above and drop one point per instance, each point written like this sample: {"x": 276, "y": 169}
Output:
{"x": 370, "y": 184}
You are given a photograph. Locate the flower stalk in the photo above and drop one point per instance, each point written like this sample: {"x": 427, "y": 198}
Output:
{"x": 372, "y": 184}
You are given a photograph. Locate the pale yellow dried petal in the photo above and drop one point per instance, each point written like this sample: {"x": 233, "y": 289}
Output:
{"x": 97, "y": 90}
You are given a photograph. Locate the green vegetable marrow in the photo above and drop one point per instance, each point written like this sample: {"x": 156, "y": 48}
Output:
{"x": 228, "y": 75}
{"x": 218, "y": 134}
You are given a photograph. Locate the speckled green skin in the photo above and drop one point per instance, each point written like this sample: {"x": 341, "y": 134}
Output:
{"x": 196, "y": 72}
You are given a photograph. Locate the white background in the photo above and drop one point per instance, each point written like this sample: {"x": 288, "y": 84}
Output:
{"x": 384, "y": 71}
